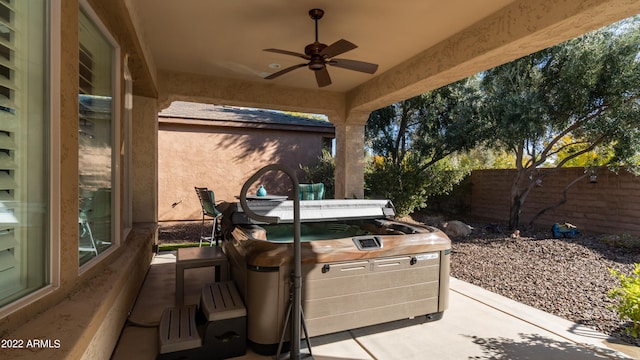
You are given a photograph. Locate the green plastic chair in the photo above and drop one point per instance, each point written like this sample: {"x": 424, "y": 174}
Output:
{"x": 208, "y": 204}
{"x": 311, "y": 191}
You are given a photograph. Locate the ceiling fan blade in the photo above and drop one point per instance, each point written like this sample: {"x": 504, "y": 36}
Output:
{"x": 322, "y": 77}
{"x": 339, "y": 47}
{"x": 286, "y": 52}
{"x": 284, "y": 71}
{"x": 356, "y": 65}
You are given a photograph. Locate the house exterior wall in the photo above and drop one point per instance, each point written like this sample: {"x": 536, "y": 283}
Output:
{"x": 222, "y": 158}
{"x": 84, "y": 309}
{"x": 612, "y": 205}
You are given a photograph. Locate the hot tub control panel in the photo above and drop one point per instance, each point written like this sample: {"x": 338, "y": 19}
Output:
{"x": 368, "y": 242}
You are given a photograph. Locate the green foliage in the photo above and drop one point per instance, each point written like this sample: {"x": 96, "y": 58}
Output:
{"x": 406, "y": 184}
{"x": 565, "y": 148}
{"x": 625, "y": 241}
{"x": 482, "y": 157}
{"x": 322, "y": 172}
{"x": 412, "y": 139}
{"x": 628, "y": 297}
{"x": 431, "y": 126}
{"x": 574, "y": 103}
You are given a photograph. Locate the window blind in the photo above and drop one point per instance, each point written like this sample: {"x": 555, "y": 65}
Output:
{"x": 11, "y": 258}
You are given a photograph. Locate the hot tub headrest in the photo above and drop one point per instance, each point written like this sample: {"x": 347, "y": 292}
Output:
{"x": 313, "y": 210}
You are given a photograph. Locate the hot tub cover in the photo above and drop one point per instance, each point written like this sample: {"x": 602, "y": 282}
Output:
{"x": 313, "y": 210}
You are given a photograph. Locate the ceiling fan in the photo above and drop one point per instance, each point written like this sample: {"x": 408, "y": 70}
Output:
{"x": 320, "y": 55}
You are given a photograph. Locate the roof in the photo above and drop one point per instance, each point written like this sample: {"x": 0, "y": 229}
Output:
{"x": 189, "y": 110}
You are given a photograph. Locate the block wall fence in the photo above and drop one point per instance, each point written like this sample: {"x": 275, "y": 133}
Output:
{"x": 611, "y": 205}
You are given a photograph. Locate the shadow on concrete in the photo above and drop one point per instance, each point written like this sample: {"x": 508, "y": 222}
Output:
{"x": 533, "y": 346}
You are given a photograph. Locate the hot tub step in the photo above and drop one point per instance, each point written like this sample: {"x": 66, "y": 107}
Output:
{"x": 178, "y": 330}
{"x": 225, "y": 334}
{"x": 221, "y": 301}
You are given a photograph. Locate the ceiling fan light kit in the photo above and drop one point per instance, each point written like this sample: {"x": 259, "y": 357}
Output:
{"x": 319, "y": 55}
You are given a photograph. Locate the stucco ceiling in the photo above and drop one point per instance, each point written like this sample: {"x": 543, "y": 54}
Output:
{"x": 212, "y": 50}
{"x": 227, "y": 38}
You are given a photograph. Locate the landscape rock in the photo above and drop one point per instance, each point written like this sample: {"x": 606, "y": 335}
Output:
{"x": 457, "y": 228}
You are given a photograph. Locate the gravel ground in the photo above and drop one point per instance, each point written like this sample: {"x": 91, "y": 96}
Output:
{"x": 566, "y": 277}
{"x": 181, "y": 232}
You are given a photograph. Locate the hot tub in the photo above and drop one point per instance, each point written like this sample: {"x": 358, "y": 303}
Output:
{"x": 360, "y": 267}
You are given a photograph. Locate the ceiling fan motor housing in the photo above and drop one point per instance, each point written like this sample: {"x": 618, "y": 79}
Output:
{"x": 316, "y": 63}
{"x": 313, "y": 51}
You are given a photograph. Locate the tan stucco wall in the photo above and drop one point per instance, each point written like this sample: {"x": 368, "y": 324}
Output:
{"x": 222, "y": 159}
{"x": 86, "y": 308}
{"x": 144, "y": 162}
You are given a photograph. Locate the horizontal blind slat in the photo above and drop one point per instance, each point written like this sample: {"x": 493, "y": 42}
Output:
{"x": 7, "y": 261}
{"x": 6, "y": 181}
{"x": 6, "y": 162}
{"x": 6, "y": 142}
{"x": 7, "y": 241}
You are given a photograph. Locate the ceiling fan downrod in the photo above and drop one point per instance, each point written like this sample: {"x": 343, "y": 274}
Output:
{"x": 316, "y": 14}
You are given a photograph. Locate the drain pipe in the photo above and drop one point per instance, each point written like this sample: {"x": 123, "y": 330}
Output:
{"x": 297, "y": 256}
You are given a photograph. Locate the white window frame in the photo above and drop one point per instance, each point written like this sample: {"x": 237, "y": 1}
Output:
{"x": 54, "y": 56}
{"x": 127, "y": 206}
{"x": 116, "y": 126}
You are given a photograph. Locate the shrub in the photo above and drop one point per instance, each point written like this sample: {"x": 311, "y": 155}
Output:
{"x": 408, "y": 185}
{"x": 628, "y": 297}
{"x": 625, "y": 241}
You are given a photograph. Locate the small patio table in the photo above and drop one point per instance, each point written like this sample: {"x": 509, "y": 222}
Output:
{"x": 188, "y": 258}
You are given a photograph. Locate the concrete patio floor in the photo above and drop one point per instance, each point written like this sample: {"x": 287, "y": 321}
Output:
{"x": 478, "y": 325}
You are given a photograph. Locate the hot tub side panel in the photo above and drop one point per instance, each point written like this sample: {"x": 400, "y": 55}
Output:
{"x": 445, "y": 270}
{"x": 267, "y": 304}
{"x": 348, "y": 295}
{"x": 265, "y": 292}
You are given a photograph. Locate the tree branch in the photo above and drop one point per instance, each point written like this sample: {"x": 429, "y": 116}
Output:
{"x": 577, "y": 124}
{"x": 565, "y": 146}
{"x": 583, "y": 151}
{"x": 562, "y": 201}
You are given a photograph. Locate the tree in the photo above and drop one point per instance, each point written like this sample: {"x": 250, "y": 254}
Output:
{"x": 411, "y": 139}
{"x": 556, "y": 105}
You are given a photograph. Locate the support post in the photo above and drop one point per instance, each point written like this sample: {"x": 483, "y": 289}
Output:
{"x": 349, "y": 174}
